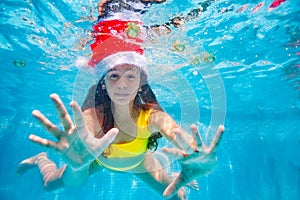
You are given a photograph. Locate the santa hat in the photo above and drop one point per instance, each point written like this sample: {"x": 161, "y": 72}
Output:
{"x": 112, "y": 37}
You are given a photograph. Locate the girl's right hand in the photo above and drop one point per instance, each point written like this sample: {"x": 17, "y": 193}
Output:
{"x": 77, "y": 145}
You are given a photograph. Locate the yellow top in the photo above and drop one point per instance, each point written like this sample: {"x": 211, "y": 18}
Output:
{"x": 126, "y": 156}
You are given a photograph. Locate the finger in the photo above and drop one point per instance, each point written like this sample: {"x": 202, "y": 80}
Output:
{"x": 78, "y": 118}
{"x": 173, "y": 151}
{"x": 106, "y": 140}
{"x": 48, "y": 125}
{"x": 217, "y": 139}
{"x": 182, "y": 139}
{"x": 197, "y": 139}
{"x": 193, "y": 185}
{"x": 43, "y": 142}
{"x": 62, "y": 112}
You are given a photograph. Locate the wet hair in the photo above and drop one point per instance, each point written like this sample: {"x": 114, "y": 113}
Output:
{"x": 145, "y": 99}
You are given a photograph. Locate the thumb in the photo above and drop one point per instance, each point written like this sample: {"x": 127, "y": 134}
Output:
{"x": 107, "y": 139}
{"x": 173, "y": 187}
{"x": 111, "y": 135}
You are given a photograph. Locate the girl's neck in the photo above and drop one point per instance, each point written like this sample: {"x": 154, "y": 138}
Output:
{"x": 122, "y": 112}
{"x": 125, "y": 118}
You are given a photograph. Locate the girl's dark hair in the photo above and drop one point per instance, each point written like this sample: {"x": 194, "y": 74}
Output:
{"x": 144, "y": 100}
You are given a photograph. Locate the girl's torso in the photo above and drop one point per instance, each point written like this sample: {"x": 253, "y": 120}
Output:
{"x": 128, "y": 154}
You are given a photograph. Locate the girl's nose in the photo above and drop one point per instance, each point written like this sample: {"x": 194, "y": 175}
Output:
{"x": 122, "y": 83}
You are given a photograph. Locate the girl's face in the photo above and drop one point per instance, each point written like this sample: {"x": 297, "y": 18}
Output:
{"x": 122, "y": 83}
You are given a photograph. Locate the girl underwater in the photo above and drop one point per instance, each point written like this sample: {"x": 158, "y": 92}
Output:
{"x": 120, "y": 120}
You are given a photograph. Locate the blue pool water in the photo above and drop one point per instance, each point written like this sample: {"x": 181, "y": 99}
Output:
{"x": 252, "y": 87}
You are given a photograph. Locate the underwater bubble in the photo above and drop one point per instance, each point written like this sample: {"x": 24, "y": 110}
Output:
{"x": 196, "y": 60}
{"x": 209, "y": 58}
{"x": 82, "y": 62}
{"x": 19, "y": 63}
{"x": 133, "y": 30}
{"x": 179, "y": 46}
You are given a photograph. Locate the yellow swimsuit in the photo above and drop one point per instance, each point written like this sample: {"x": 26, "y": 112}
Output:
{"x": 126, "y": 156}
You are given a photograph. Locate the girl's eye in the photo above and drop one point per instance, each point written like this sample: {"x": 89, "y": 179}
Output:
{"x": 114, "y": 76}
{"x": 131, "y": 76}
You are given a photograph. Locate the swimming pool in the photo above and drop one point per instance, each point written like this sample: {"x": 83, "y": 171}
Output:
{"x": 253, "y": 86}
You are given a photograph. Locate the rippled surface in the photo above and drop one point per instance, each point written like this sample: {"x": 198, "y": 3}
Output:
{"x": 50, "y": 36}
{"x": 256, "y": 57}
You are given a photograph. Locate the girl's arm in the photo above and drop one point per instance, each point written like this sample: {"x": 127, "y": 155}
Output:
{"x": 160, "y": 121}
{"x": 75, "y": 142}
{"x": 196, "y": 158}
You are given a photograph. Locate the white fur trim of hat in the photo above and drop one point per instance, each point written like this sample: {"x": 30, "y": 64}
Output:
{"x": 125, "y": 57}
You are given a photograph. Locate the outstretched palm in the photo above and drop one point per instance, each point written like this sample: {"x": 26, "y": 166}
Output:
{"x": 202, "y": 161}
{"x": 76, "y": 144}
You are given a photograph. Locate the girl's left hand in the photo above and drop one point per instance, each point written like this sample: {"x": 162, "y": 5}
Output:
{"x": 201, "y": 161}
